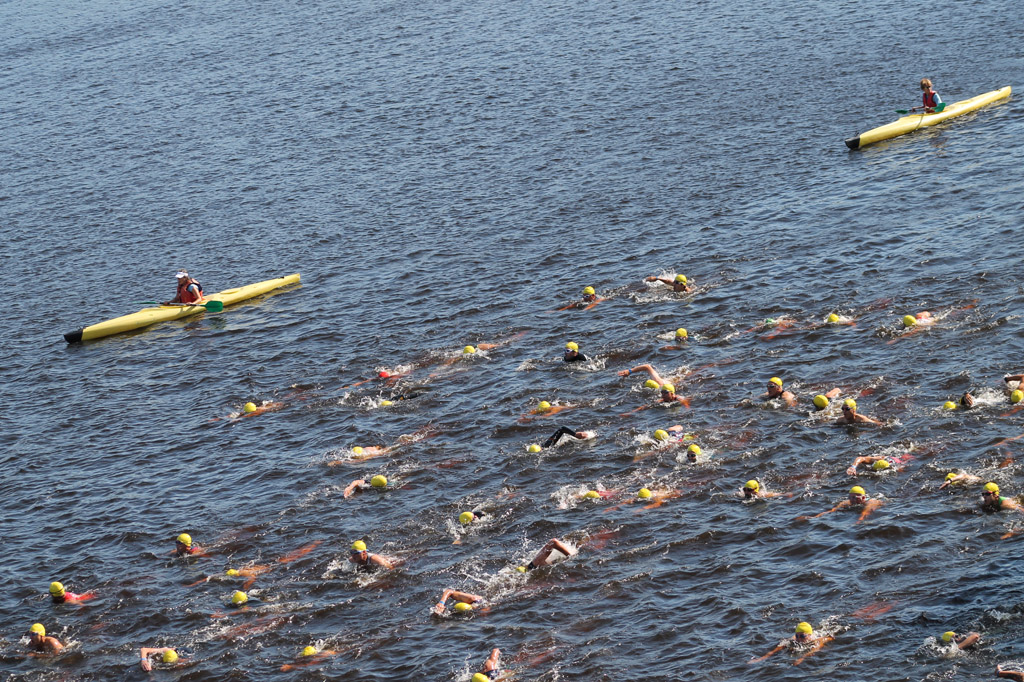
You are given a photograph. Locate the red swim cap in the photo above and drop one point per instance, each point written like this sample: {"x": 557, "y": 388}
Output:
{"x": 383, "y": 374}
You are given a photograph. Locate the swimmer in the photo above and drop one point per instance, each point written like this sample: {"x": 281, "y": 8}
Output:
{"x": 61, "y": 596}
{"x": 556, "y": 437}
{"x": 775, "y": 390}
{"x": 468, "y": 517}
{"x": 668, "y": 391}
{"x": 753, "y": 490}
{"x": 491, "y": 670}
{"x": 39, "y": 642}
{"x": 545, "y": 553}
{"x": 878, "y": 463}
{"x": 366, "y": 562}
{"x": 183, "y": 546}
{"x": 967, "y": 400}
{"x": 856, "y": 498}
{"x": 681, "y": 336}
{"x": 693, "y": 452}
{"x": 464, "y": 598}
{"x": 921, "y": 319}
{"x": 166, "y": 653}
{"x": 544, "y": 409}
{"x": 589, "y": 300}
{"x": 378, "y": 482}
{"x": 851, "y": 416}
{"x": 679, "y": 283}
{"x": 961, "y": 478}
{"x": 1009, "y": 674}
{"x": 573, "y": 354}
{"x": 804, "y": 637}
{"x": 822, "y": 400}
{"x": 992, "y": 501}
{"x": 962, "y": 641}
{"x": 360, "y": 453}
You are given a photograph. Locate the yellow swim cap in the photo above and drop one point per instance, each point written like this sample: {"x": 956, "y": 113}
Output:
{"x": 469, "y": 350}
{"x": 880, "y": 465}
{"x": 851, "y": 403}
{"x": 466, "y": 518}
{"x": 239, "y": 598}
{"x": 588, "y": 291}
{"x": 857, "y": 490}
{"x": 591, "y": 495}
{"x": 57, "y": 589}
{"x": 358, "y": 546}
{"x": 249, "y": 407}
{"x": 38, "y": 629}
{"x": 533, "y": 448}
{"x": 233, "y": 572}
{"x": 357, "y": 450}
{"x": 521, "y": 569}
{"x": 752, "y": 485}
{"x": 379, "y": 481}
{"x": 386, "y": 403}
{"x": 650, "y": 383}
{"x": 309, "y": 651}
{"x": 661, "y": 434}
{"x": 775, "y": 380}
{"x": 543, "y": 406}
{"x": 644, "y": 494}
{"x": 480, "y": 677}
{"x": 950, "y": 475}
{"x": 668, "y": 388}
{"x": 681, "y": 279}
{"x": 833, "y": 317}
{"x": 991, "y": 487}
{"x": 170, "y": 656}
{"x": 820, "y": 401}
{"x": 909, "y": 320}
{"x": 804, "y": 628}
{"x": 185, "y": 539}
{"x": 1017, "y": 396}
{"x": 572, "y": 345}
{"x": 948, "y": 636}
{"x": 949, "y": 405}
{"x": 462, "y": 607}
{"x": 694, "y": 448}
{"x": 682, "y": 334}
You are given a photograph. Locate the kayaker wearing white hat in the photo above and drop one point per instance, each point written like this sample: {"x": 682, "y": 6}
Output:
{"x": 189, "y": 290}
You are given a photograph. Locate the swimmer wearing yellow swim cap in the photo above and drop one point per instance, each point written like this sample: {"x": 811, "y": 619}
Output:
{"x": 464, "y": 601}
{"x": 589, "y": 295}
{"x": 249, "y": 408}
{"x": 573, "y": 354}
{"x": 851, "y": 416}
{"x": 366, "y": 562}
{"x": 183, "y": 545}
{"x": 679, "y": 283}
{"x": 40, "y": 642}
{"x": 167, "y": 655}
{"x": 962, "y": 641}
{"x": 491, "y": 669}
{"x": 992, "y": 501}
{"x": 775, "y": 390}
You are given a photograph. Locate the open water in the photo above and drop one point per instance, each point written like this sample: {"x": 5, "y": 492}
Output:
{"x": 450, "y": 173}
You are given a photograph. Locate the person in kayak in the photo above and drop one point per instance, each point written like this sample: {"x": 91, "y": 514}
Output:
{"x": 39, "y": 642}
{"x": 189, "y": 290}
{"x": 366, "y": 562}
{"x": 573, "y": 354}
{"x": 61, "y": 596}
{"x": 679, "y": 283}
{"x": 929, "y": 98}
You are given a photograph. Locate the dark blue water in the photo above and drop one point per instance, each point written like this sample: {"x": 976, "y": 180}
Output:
{"x": 445, "y": 174}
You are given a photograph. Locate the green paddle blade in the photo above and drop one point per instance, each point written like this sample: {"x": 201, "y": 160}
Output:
{"x": 214, "y": 306}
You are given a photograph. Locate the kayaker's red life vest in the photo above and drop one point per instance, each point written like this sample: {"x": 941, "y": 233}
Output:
{"x": 186, "y": 296}
{"x": 930, "y": 100}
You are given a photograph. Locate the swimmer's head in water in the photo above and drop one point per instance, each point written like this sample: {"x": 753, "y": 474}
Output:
{"x": 951, "y": 475}
{"x": 650, "y": 383}
{"x": 833, "y": 318}
{"x": 383, "y": 374}
{"x": 591, "y": 495}
{"x": 357, "y": 450}
{"x": 468, "y": 350}
{"x": 249, "y": 408}
{"x": 693, "y": 452}
{"x": 1016, "y": 396}
{"x": 358, "y": 547}
{"x": 775, "y": 380}
{"x": 466, "y": 518}
{"x": 820, "y": 401}
{"x": 533, "y": 448}
{"x": 680, "y": 279}
{"x": 37, "y": 629}
{"x": 184, "y": 539}
{"x": 661, "y": 434}
{"x": 991, "y": 488}
{"x": 462, "y": 607}
{"x": 386, "y": 403}
{"x": 949, "y": 405}
{"x": 309, "y": 651}
{"x": 588, "y": 291}
{"x": 857, "y": 490}
{"x": 668, "y": 388}
{"x": 850, "y": 404}
{"x": 804, "y": 628}
{"x": 752, "y": 485}
{"x": 480, "y": 677}
{"x": 572, "y": 346}
{"x": 880, "y": 465}
{"x": 543, "y": 406}
{"x": 644, "y": 494}
{"x": 239, "y": 598}
{"x": 379, "y": 481}
{"x": 232, "y": 572}
{"x": 909, "y": 320}
{"x": 170, "y": 656}
{"x": 57, "y": 589}
{"x": 948, "y": 636}
{"x": 682, "y": 334}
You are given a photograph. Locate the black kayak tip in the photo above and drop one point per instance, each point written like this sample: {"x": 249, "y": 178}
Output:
{"x": 853, "y": 142}
{"x": 75, "y": 336}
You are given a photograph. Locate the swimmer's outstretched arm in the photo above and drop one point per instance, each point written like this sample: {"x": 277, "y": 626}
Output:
{"x": 1009, "y": 674}
{"x": 351, "y": 488}
{"x": 866, "y": 459}
{"x": 643, "y": 368}
{"x": 841, "y": 505}
{"x": 492, "y": 661}
{"x": 146, "y": 652}
{"x": 869, "y": 506}
{"x": 542, "y": 556}
{"x": 458, "y": 596}
{"x": 1013, "y": 377}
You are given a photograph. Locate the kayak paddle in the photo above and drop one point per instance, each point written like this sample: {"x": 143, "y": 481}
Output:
{"x": 211, "y": 306}
{"x": 938, "y": 107}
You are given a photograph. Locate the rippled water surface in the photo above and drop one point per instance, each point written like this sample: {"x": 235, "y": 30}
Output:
{"x": 450, "y": 173}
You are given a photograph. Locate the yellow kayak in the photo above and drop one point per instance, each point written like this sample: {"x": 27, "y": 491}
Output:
{"x": 909, "y": 124}
{"x": 164, "y": 313}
